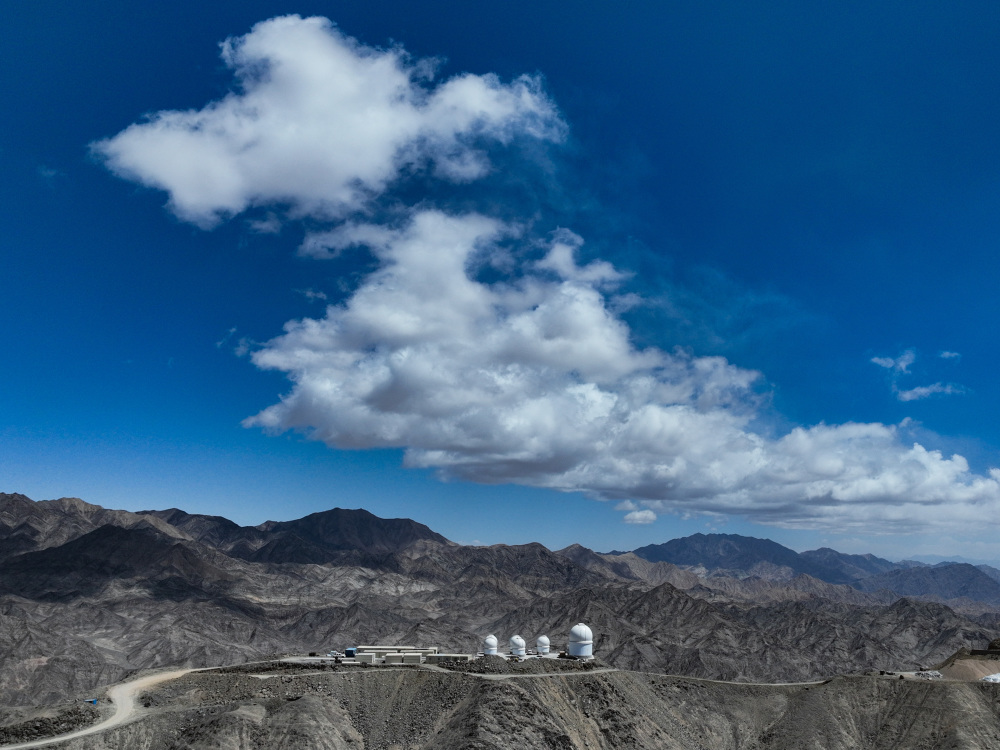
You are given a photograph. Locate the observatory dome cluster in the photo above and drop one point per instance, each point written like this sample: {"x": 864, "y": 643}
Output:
{"x": 580, "y": 645}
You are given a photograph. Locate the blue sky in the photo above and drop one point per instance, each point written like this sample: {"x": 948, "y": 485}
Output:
{"x": 718, "y": 267}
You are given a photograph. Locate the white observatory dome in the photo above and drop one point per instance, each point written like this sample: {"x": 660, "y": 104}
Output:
{"x": 581, "y": 641}
{"x": 490, "y": 645}
{"x": 517, "y": 645}
{"x": 542, "y": 644}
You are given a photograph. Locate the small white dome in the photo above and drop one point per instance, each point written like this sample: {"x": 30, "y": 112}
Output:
{"x": 542, "y": 644}
{"x": 490, "y": 641}
{"x": 516, "y": 641}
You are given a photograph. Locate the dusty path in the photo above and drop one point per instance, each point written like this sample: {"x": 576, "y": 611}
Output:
{"x": 518, "y": 676}
{"x": 442, "y": 670}
{"x": 122, "y": 697}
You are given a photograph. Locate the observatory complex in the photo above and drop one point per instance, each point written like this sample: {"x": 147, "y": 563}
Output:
{"x": 580, "y": 645}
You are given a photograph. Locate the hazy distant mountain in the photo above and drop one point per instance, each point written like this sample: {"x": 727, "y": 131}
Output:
{"x": 728, "y": 554}
{"x": 740, "y": 556}
{"x": 945, "y": 582}
{"x": 948, "y": 559}
{"x": 989, "y": 570}
{"x": 847, "y": 567}
{"x": 743, "y": 556}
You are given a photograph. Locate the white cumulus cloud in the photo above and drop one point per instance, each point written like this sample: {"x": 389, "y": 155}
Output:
{"x": 536, "y": 382}
{"x": 321, "y": 123}
{"x": 640, "y": 517}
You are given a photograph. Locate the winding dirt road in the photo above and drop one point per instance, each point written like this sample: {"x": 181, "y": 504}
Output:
{"x": 122, "y": 697}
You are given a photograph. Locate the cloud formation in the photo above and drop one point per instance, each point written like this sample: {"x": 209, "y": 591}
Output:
{"x": 640, "y": 517}
{"x": 528, "y": 376}
{"x": 535, "y": 381}
{"x": 926, "y": 391}
{"x": 900, "y": 366}
{"x": 320, "y": 123}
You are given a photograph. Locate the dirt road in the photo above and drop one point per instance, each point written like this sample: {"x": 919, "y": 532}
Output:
{"x": 122, "y": 697}
{"x": 519, "y": 675}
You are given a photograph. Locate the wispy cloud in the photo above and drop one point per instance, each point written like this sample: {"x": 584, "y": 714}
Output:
{"x": 269, "y": 224}
{"x": 50, "y": 175}
{"x": 226, "y": 338}
{"x": 899, "y": 364}
{"x": 926, "y": 391}
{"x": 312, "y": 295}
{"x": 529, "y": 376}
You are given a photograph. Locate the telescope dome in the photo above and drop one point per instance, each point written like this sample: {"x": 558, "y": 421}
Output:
{"x": 581, "y": 641}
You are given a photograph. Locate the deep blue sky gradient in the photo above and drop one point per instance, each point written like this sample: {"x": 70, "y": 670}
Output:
{"x": 815, "y": 184}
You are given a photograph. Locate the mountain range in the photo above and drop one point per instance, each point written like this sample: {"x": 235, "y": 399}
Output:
{"x": 731, "y": 555}
{"x": 88, "y": 595}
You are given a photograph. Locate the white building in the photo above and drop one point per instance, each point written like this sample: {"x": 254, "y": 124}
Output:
{"x": 581, "y": 642}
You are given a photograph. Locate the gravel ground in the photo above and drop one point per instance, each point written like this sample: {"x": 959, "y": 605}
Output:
{"x": 68, "y": 720}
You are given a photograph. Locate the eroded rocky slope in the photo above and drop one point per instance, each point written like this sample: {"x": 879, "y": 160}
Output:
{"x": 393, "y": 709}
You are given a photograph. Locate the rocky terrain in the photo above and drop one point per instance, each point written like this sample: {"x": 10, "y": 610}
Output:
{"x": 395, "y": 709}
{"x": 89, "y": 596}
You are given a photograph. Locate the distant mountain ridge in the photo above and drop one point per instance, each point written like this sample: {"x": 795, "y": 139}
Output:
{"x": 743, "y": 556}
{"x": 318, "y": 538}
{"x": 944, "y": 582}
